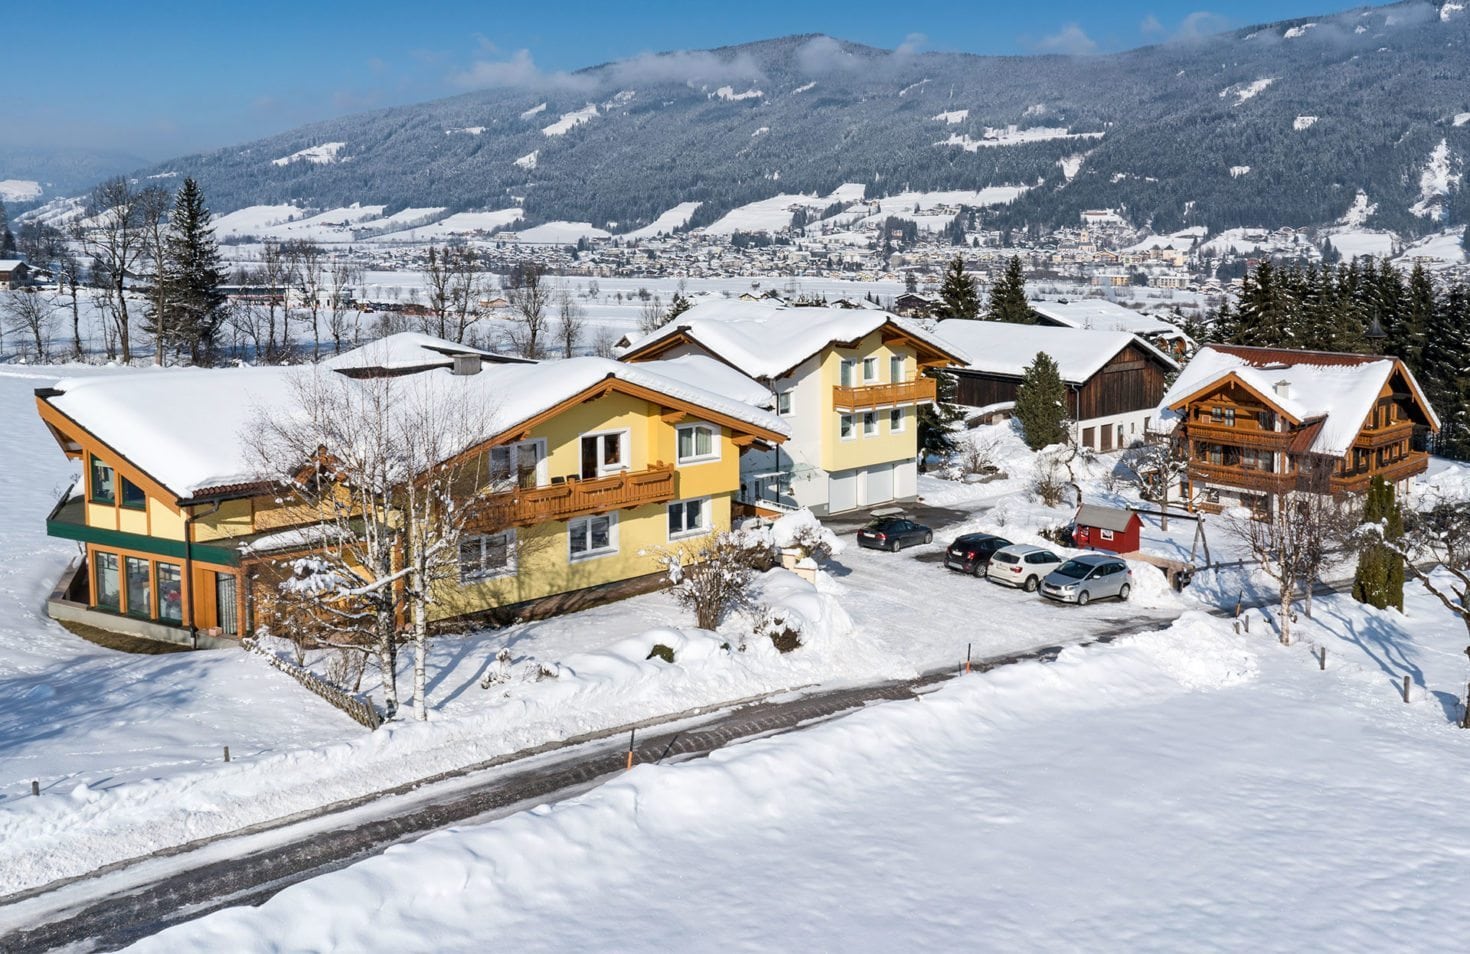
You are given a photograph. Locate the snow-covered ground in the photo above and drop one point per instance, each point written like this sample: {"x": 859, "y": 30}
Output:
{"x": 1189, "y": 789}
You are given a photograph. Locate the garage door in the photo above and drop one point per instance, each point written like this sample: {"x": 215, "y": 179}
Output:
{"x": 842, "y": 491}
{"x": 878, "y": 484}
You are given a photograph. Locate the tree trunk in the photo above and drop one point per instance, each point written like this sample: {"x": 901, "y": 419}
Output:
{"x": 76, "y": 325}
{"x": 122, "y": 323}
{"x": 420, "y": 646}
{"x": 388, "y": 662}
{"x": 1286, "y": 588}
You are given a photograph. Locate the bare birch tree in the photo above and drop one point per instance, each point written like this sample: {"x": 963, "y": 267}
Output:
{"x": 571, "y": 318}
{"x": 30, "y": 315}
{"x": 342, "y": 275}
{"x": 1293, "y": 544}
{"x": 111, "y": 235}
{"x": 309, "y": 283}
{"x": 529, "y": 296}
{"x": 154, "y": 206}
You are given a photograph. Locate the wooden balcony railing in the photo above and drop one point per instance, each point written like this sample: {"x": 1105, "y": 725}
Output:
{"x": 577, "y": 498}
{"x": 1242, "y": 436}
{"x": 1395, "y": 433}
{"x": 1257, "y": 480}
{"x": 866, "y": 397}
{"x": 1416, "y": 462}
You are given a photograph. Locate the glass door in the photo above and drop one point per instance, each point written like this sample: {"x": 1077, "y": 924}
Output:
{"x": 224, "y": 593}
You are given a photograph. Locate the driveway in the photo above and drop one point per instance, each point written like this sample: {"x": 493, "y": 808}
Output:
{"x": 935, "y": 518}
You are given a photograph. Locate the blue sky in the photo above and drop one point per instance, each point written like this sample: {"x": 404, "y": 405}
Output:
{"x": 161, "y": 78}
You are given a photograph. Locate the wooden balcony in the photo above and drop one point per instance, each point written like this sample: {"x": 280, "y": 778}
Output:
{"x": 577, "y": 498}
{"x": 1241, "y": 436}
{"x": 1260, "y": 481}
{"x": 866, "y": 397}
{"x": 1395, "y": 433}
{"x": 1413, "y": 464}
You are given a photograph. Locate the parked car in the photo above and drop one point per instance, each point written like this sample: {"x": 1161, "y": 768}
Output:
{"x": 893, "y": 534}
{"x": 971, "y": 552}
{"x": 1023, "y": 565}
{"x": 1088, "y": 577}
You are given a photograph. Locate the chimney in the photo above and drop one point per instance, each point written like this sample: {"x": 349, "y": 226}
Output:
{"x": 1283, "y": 389}
{"x": 466, "y": 364}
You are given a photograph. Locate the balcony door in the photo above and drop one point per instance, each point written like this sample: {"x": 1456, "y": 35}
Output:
{"x": 518, "y": 465}
{"x": 604, "y": 454}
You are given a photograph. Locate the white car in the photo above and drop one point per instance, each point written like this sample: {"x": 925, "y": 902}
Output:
{"x": 1022, "y": 565}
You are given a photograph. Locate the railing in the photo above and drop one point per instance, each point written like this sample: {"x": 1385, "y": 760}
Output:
{"x": 578, "y": 498}
{"x": 1395, "y": 433}
{"x": 1260, "y": 480}
{"x": 1416, "y": 462}
{"x": 1244, "y": 436}
{"x": 868, "y": 396}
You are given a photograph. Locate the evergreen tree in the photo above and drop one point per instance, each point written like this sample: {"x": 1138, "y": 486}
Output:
{"x": 1008, "y": 297}
{"x": 936, "y": 435}
{"x": 1041, "y": 403}
{"x": 192, "y": 274}
{"x": 958, "y": 297}
{"x": 7, "y": 239}
{"x": 677, "y": 306}
{"x": 1263, "y": 316}
{"x": 1379, "y": 580}
{"x": 1444, "y": 370}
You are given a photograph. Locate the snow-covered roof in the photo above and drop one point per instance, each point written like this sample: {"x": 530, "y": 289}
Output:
{"x": 1101, "y": 315}
{"x": 999, "y": 347}
{"x": 1104, "y": 518}
{"x": 766, "y": 339}
{"x": 405, "y": 351}
{"x": 186, "y": 427}
{"x": 10, "y": 264}
{"x": 1338, "y": 389}
{"x": 705, "y": 372}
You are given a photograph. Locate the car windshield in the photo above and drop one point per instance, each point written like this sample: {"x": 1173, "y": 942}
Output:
{"x": 1075, "y": 569}
{"x": 1006, "y": 558}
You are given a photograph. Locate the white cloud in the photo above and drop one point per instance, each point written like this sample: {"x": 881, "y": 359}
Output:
{"x": 1201, "y": 24}
{"x": 1070, "y": 40}
{"x": 519, "y": 70}
{"x": 1151, "y": 26}
{"x": 911, "y": 44}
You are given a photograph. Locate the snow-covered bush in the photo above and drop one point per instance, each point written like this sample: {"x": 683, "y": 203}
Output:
{"x": 1050, "y": 482}
{"x": 801, "y": 530}
{"x": 715, "y": 578}
{"x": 781, "y": 626}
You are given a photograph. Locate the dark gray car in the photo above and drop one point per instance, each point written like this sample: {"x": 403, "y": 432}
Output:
{"x": 1088, "y": 577}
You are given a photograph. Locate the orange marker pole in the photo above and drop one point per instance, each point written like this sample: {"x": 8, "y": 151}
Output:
{"x": 631, "y": 736}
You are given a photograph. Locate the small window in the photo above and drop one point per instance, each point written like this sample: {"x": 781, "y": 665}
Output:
{"x": 689, "y": 518}
{"x": 487, "y": 555}
{"x": 844, "y": 426}
{"x": 1105, "y": 533}
{"x": 698, "y": 442}
{"x": 1217, "y": 414}
{"x": 895, "y": 369}
{"x": 870, "y": 423}
{"x": 870, "y": 370}
{"x": 104, "y": 483}
{"x": 1229, "y": 417}
{"x": 109, "y": 593}
{"x": 895, "y": 420}
{"x": 132, "y": 495}
{"x": 592, "y": 536}
{"x": 783, "y": 403}
{"x": 847, "y": 372}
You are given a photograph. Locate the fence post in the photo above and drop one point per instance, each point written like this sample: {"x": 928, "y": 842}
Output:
{"x": 1322, "y": 659}
{"x": 227, "y": 753}
{"x": 35, "y": 788}
{"x": 968, "y": 647}
{"x": 632, "y": 736}
{"x": 1406, "y": 688}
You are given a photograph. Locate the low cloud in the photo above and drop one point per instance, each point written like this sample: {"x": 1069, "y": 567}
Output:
{"x": 911, "y": 44}
{"x": 519, "y": 70}
{"x": 1070, "y": 40}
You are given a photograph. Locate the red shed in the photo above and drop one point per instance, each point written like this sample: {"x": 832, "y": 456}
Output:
{"x": 1106, "y": 528}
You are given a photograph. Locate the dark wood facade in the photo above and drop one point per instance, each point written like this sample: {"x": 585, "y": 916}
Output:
{"x": 1133, "y": 380}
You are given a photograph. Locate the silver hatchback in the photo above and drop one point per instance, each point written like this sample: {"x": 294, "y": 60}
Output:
{"x": 1088, "y": 577}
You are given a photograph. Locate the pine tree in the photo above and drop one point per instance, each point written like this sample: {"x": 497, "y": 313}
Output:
{"x": 957, "y": 294}
{"x": 1008, "y": 297}
{"x": 192, "y": 275}
{"x": 1041, "y": 403}
{"x": 936, "y": 436}
{"x": 1262, "y": 314}
{"x": 1379, "y": 580}
{"x": 677, "y": 306}
{"x": 1444, "y": 370}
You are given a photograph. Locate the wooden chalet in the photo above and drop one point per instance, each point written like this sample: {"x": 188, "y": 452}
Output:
{"x": 1260, "y": 422}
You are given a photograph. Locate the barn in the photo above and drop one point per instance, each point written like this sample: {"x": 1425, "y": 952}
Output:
{"x": 1114, "y": 379}
{"x": 1106, "y": 528}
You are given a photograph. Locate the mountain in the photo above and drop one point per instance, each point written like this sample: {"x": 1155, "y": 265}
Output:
{"x": 1290, "y": 123}
{"x": 28, "y": 176}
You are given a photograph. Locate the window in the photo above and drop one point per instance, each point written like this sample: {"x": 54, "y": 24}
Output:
{"x": 846, "y": 372}
{"x": 895, "y": 369}
{"x": 603, "y": 454}
{"x": 870, "y": 370}
{"x": 170, "y": 593}
{"x": 593, "y": 536}
{"x": 1229, "y": 417}
{"x": 783, "y": 402}
{"x": 698, "y": 442}
{"x": 1265, "y": 420}
{"x": 140, "y": 587}
{"x": 870, "y": 423}
{"x": 1217, "y": 414}
{"x": 895, "y": 420}
{"x": 104, "y": 486}
{"x": 109, "y": 596}
{"x": 844, "y": 427}
{"x": 516, "y": 465}
{"x": 487, "y": 555}
{"x": 689, "y": 518}
{"x": 132, "y": 496}
{"x": 1105, "y": 533}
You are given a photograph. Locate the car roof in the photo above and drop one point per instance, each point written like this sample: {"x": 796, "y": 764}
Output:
{"x": 1095, "y": 558}
{"x": 978, "y": 536}
{"x": 1020, "y": 549}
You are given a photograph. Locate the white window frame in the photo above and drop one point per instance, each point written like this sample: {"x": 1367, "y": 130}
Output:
{"x": 483, "y": 574}
{"x": 514, "y": 449}
{"x": 851, "y": 434}
{"x": 896, "y": 367}
{"x": 697, "y": 458}
{"x": 687, "y": 532}
{"x": 870, "y": 417}
{"x": 896, "y": 414}
{"x": 870, "y": 363}
{"x": 789, "y": 396}
{"x": 847, "y": 372}
{"x": 625, "y": 448}
{"x": 1104, "y": 533}
{"x": 573, "y": 527}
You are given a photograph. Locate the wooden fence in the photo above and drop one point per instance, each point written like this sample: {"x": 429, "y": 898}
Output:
{"x": 359, "y": 708}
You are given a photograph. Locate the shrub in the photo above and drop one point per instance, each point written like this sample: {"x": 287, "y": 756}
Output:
{"x": 666, "y": 653}
{"x": 781, "y": 627}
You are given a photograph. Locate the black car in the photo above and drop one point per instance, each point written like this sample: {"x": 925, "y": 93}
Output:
{"x": 893, "y": 534}
{"x": 971, "y": 552}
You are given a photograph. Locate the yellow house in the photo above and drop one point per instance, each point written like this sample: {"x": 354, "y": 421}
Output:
{"x": 591, "y": 464}
{"x": 848, "y": 382}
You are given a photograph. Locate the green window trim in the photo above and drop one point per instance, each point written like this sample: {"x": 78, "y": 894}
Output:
{"x": 94, "y": 469}
{"x": 133, "y": 497}
{"x": 157, "y": 546}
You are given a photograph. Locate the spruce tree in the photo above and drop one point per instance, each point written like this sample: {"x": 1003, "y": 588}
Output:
{"x": 958, "y": 297}
{"x": 192, "y": 275}
{"x": 936, "y": 435}
{"x": 1041, "y": 403}
{"x": 1379, "y": 580}
{"x": 1008, "y": 297}
{"x": 1444, "y": 370}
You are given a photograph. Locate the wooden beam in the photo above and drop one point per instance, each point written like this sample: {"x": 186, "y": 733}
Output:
{"x": 673, "y": 415}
